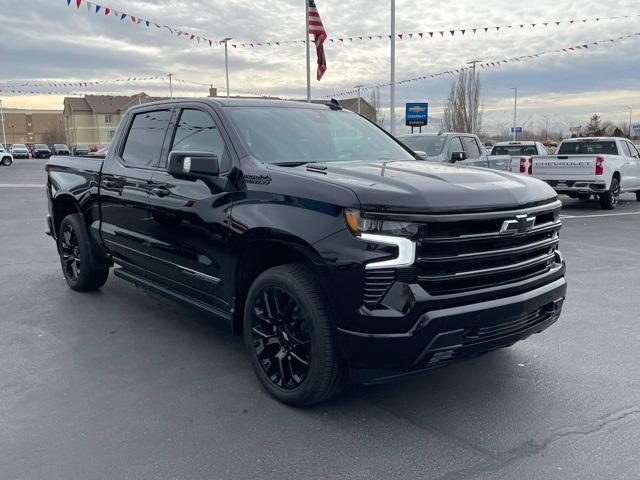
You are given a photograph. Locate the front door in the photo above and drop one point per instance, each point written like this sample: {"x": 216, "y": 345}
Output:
{"x": 125, "y": 186}
{"x": 189, "y": 219}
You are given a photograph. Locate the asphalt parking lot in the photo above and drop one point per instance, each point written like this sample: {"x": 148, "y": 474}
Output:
{"x": 121, "y": 384}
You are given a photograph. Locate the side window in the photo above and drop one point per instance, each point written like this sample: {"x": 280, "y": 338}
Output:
{"x": 454, "y": 146}
{"x": 471, "y": 147}
{"x": 625, "y": 149}
{"x": 633, "y": 150}
{"x": 542, "y": 150}
{"x": 197, "y": 132}
{"x": 143, "y": 146}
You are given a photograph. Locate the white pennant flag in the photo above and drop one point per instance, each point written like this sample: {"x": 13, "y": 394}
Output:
{"x": 89, "y": 7}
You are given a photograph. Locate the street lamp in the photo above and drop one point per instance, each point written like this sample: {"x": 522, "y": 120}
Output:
{"x": 630, "y": 120}
{"x": 392, "y": 114}
{"x": 515, "y": 110}
{"x": 226, "y": 60}
{"x": 4, "y": 135}
{"x": 170, "y": 75}
{"x": 359, "y": 87}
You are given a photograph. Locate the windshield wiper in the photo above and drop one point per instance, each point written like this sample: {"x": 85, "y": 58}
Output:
{"x": 291, "y": 164}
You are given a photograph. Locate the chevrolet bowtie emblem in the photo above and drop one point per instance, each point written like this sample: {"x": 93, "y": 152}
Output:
{"x": 521, "y": 224}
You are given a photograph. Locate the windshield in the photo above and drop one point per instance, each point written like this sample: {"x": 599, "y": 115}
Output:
{"x": 431, "y": 145}
{"x": 40, "y": 146}
{"x": 60, "y": 146}
{"x": 514, "y": 150}
{"x": 20, "y": 146}
{"x": 280, "y": 135}
{"x": 604, "y": 147}
{"x": 82, "y": 147}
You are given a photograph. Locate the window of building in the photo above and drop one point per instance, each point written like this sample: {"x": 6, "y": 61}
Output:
{"x": 108, "y": 118}
{"x": 110, "y": 134}
{"x": 143, "y": 146}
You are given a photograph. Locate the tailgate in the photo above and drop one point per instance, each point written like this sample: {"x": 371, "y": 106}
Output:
{"x": 499, "y": 162}
{"x": 564, "y": 166}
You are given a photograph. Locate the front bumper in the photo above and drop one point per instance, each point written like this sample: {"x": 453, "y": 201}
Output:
{"x": 20, "y": 155}
{"x": 440, "y": 337}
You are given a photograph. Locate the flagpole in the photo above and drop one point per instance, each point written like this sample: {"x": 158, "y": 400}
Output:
{"x": 306, "y": 13}
{"x": 392, "y": 113}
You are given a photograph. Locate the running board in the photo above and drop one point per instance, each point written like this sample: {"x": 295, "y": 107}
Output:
{"x": 147, "y": 284}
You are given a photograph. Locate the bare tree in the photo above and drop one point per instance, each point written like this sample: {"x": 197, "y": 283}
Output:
{"x": 462, "y": 111}
{"x": 55, "y": 134}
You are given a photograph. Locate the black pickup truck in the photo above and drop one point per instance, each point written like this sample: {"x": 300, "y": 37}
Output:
{"x": 336, "y": 252}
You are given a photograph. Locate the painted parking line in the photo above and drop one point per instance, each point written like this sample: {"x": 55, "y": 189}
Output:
{"x": 564, "y": 217}
{"x": 21, "y": 185}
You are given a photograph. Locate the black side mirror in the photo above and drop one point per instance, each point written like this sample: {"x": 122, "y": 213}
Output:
{"x": 458, "y": 156}
{"x": 193, "y": 165}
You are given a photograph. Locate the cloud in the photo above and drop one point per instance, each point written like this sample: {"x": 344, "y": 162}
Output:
{"x": 48, "y": 40}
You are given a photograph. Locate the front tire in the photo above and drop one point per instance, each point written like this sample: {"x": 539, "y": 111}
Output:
{"x": 290, "y": 336}
{"x": 6, "y": 161}
{"x": 609, "y": 200}
{"x": 638, "y": 195}
{"x": 82, "y": 269}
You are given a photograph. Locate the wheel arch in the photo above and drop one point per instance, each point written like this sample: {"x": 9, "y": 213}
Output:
{"x": 262, "y": 248}
{"x": 63, "y": 205}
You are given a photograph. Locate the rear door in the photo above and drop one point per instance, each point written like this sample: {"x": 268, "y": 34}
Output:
{"x": 635, "y": 153}
{"x": 630, "y": 178}
{"x": 125, "y": 184}
{"x": 188, "y": 221}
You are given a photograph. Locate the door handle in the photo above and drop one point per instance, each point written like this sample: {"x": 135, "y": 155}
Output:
{"x": 161, "y": 191}
{"x": 107, "y": 182}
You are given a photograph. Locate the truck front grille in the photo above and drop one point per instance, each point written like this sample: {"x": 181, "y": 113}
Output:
{"x": 456, "y": 255}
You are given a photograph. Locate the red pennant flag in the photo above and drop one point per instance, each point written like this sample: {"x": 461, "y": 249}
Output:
{"x": 400, "y": 36}
{"x": 133, "y": 19}
{"x": 462, "y": 31}
{"x": 78, "y": 3}
{"x": 107, "y": 11}
{"x": 210, "y": 43}
{"x": 431, "y": 34}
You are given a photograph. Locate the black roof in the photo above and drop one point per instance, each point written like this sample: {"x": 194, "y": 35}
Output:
{"x": 241, "y": 102}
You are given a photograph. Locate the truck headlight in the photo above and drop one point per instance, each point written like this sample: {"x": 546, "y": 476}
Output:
{"x": 359, "y": 225}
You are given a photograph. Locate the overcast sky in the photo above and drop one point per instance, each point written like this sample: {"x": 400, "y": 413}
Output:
{"x": 46, "y": 40}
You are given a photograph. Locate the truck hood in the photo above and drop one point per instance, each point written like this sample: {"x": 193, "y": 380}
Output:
{"x": 419, "y": 186}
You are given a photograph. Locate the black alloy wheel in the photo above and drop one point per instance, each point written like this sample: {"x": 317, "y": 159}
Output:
{"x": 280, "y": 338}
{"x": 70, "y": 252}
{"x": 291, "y": 336}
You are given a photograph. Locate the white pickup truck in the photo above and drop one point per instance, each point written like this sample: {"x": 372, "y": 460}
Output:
{"x": 518, "y": 150}
{"x": 603, "y": 167}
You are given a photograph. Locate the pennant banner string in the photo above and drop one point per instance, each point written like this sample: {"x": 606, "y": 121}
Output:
{"x": 493, "y": 64}
{"x": 99, "y": 9}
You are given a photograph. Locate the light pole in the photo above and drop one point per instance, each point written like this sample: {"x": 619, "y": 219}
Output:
{"x": 359, "y": 87}
{"x": 170, "y": 75}
{"x": 546, "y": 127}
{"x": 630, "y": 120}
{"x": 515, "y": 110}
{"x": 392, "y": 113}
{"x": 473, "y": 105}
{"x": 4, "y": 135}
{"x": 226, "y": 60}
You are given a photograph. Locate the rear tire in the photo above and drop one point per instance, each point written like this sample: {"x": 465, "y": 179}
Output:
{"x": 291, "y": 338}
{"x": 609, "y": 200}
{"x": 83, "y": 270}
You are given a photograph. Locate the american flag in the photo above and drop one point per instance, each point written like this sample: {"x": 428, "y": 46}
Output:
{"x": 316, "y": 28}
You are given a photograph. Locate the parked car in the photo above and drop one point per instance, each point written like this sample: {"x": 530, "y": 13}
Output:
{"x": 19, "y": 150}
{"x": 6, "y": 158}
{"x": 60, "y": 149}
{"x": 40, "y": 150}
{"x": 459, "y": 148}
{"x": 584, "y": 167}
{"x": 81, "y": 151}
{"x": 333, "y": 250}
